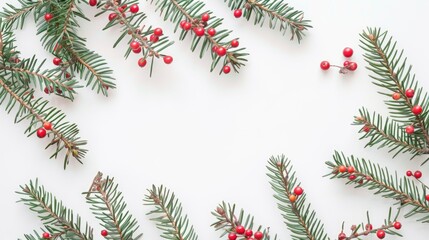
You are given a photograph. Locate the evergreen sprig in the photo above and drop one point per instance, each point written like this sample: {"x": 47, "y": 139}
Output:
{"x": 132, "y": 25}
{"x": 58, "y": 220}
{"x": 298, "y": 216}
{"x": 191, "y": 11}
{"x": 168, "y": 214}
{"x": 108, "y": 205}
{"x": 366, "y": 174}
{"x": 279, "y": 13}
{"x": 392, "y": 73}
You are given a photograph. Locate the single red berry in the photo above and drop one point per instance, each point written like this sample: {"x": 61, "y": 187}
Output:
{"x": 134, "y": 8}
{"x": 258, "y": 235}
{"x": 248, "y": 233}
{"x": 104, "y": 233}
{"x": 41, "y": 132}
{"x": 238, "y": 13}
{"x": 211, "y": 31}
{"x": 427, "y": 197}
{"x": 347, "y": 52}
{"x": 92, "y": 3}
{"x": 342, "y": 236}
{"x": 182, "y": 23}
{"x": 48, "y": 90}
{"x": 157, "y": 32}
{"x": 232, "y": 236}
{"x": 57, "y": 61}
{"x": 205, "y": 17}
{"x": 396, "y": 96}
{"x": 417, "y": 110}
{"x": 187, "y": 26}
{"x": 137, "y": 50}
{"x": 409, "y": 129}
{"x": 47, "y": 125}
{"x": 397, "y": 225}
{"x": 409, "y": 93}
{"x": 68, "y": 75}
{"x": 346, "y": 63}
{"x": 214, "y": 48}
{"x": 381, "y": 234}
{"x": 168, "y": 59}
{"x": 352, "y": 177}
{"x": 324, "y": 65}
{"x": 368, "y": 227}
{"x": 418, "y": 174}
{"x": 352, "y": 66}
{"x": 112, "y": 16}
{"x": 134, "y": 45}
{"x": 234, "y": 43}
{"x": 226, "y": 69}
{"x": 199, "y": 31}
{"x": 409, "y": 173}
{"x": 153, "y": 38}
{"x": 122, "y": 8}
{"x": 142, "y": 62}
{"x": 350, "y": 169}
{"x": 48, "y": 17}
{"x": 298, "y": 191}
{"x": 366, "y": 128}
{"x": 221, "y": 51}
{"x": 46, "y": 235}
{"x": 240, "y": 229}
{"x": 342, "y": 169}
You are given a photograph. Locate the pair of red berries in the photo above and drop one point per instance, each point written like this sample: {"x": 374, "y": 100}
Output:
{"x": 296, "y": 192}
{"x": 409, "y": 93}
{"x": 417, "y": 174}
{"x": 240, "y": 230}
{"x": 347, "y": 65}
{"x": 41, "y": 132}
{"x": 142, "y": 61}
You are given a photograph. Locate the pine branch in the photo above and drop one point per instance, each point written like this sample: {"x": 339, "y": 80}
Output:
{"x": 107, "y": 204}
{"x": 191, "y": 11}
{"x": 16, "y": 15}
{"x": 390, "y": 72}
{"x": 227, "y": 221}
{"x": 168, "y": 215}
{"x": 369, "y": 175}
{"x": 58, "y": 220}
{"x": 299, "y": 218}
{"x": 279, "y": 13}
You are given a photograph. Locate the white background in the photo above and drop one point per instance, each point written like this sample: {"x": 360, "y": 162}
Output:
{"x": 208, "y": 137}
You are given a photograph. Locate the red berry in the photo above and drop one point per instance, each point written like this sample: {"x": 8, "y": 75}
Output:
{"x": 366, "y": 128}
{"x": 153, "y": 38}
{"x": 409, "y": 173}
{"x": 137, "y": 50}
{"x": 134, "y": 45}
{"x": 211, "y": 31}
{"x": 342, "y": 236}
{"x": 342, "y": 169}
{"x": 168, "y": 59}
{"x": 427, "y": 197}
{"x": 205, "y": 17}
{"x": 142, "y": 62}
{"x": 238, "y": 13}
{"x": 350, "y": 169}
{"x": 232, "y": 236}
{"x": 346, "y": 63}
{"x": 48, "y": 90}
{"x": 248, "y": 233}
{"x": 368, "y": 227}
{"x": 234, "y": 43}
{"x": 324, "y": 65}
{"x": 418, "y": 174}
{"x": 226, "y": 69}
{"x": 221, "y": 51}
{"x": 397, "y": 225}
{"x": 381, "y": 234}
{"x": 157, "y": 32}
{"x": 46, "y": 235}
{"x": 104, "y": 233}
{"x": 41, "y": 132}
{"x": 409, "y": 129}
{"x": 47, "y": 125}
{"x": 68, "y": 75}
{"x": 396, "y": 96}
{"x": 417, "y": 110}
{"x": 182, "y": 23}
{"x": 187, "y": 26}
{"x": 57, "y": 61}
{"x": 134, "y": 8}
{"x": 409, "y": 93}
{"x": 258, "y": 235}
{"x": 214, "y": 48}
{"x": 92, "y": 3}
{"x": 240, "y": 229}
{"x": 352, "y": 177}
{"x": 347, "y": 52}
{"x": 112, "y": 16}
{"x": 298, "y": 191}
{"x": 352, "y": 66}
{"x": 199, "y": 31}
{"x": 48, "y": 17}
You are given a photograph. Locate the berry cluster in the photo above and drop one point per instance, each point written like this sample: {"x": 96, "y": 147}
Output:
{"x": 41, "y": 132}
{"x": 296, "y": 192}
{"x": 347, "y": 65}
{"x": 416, "y": 110}
{"x": 247, "y": 233}
{"x": 381, "y": 233}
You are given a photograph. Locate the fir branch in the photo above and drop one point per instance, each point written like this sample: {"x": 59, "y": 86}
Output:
{"x": 168, "y": 215}
{"x": 16, "y": 15}
{"x": 107, "y": 204}
{"x": 299, "y": 218}
{"x": 58, "y": 219}
{"x": 390, "y": 71}
{"x": 191, "y": 11}
{"x": 372, "y": 176}
{"x": 279, "y": 13}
